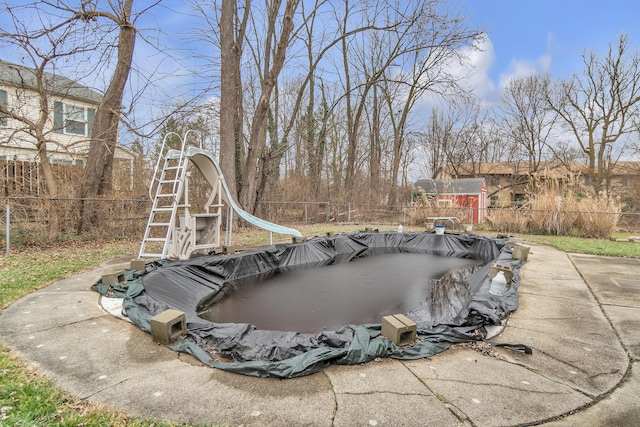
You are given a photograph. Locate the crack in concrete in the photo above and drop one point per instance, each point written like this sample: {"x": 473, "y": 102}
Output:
{"x": 335, "y": 399}
{"x": 453, "y": 409}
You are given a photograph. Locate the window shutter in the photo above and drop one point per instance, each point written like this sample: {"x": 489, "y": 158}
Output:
{"x": 91, "y": 117}
{"x": 4, "y": 104}
{"x": 58, "y": 117}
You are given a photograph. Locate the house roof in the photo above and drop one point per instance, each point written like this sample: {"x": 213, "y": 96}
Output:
{"x": 513, "y": 168}
{"x": 546, "y": 169}
{"x": 451, "y": 186}
{"x": 24, "y": 77}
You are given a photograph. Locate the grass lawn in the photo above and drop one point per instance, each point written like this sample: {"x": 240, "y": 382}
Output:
{"x": 27, "y": 398}
{"x": 588, "y": 246}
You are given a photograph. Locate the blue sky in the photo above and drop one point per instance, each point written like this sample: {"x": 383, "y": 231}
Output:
{"x": 524, "y": 36}
{"x": 528, "y": 36}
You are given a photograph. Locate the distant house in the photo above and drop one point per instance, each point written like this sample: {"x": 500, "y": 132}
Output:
{"x": 72, "y": 109}
{"x": 468, "y": 193}
{"x": 508, "y": 183}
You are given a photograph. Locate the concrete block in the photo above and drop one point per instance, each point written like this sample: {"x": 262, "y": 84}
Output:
{"x": 520, "y": 251}
{"x": 167, "y": 326}
{"x": 138, "y": 264}
{"x": 508, "y": 271}
{"x": 399, "y": 329}
{"x": 114, "y": 277}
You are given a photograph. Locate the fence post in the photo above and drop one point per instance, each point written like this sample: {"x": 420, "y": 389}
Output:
{"x": 8, "y": 223}
{"x": 326, "y": 214}
{"x": 349, "y": 212}
{"x": 306, "y": 218}
{"x": 122, "y": 211}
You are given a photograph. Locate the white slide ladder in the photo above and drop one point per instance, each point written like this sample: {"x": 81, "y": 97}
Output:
{"x": 166, "y": 202}
{"x": 195, "y": 231}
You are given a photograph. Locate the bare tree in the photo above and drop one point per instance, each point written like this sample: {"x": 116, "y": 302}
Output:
{"x": 232, "y": 24}
{"x": 410, "y": 61}
{"x": 600, "y": 106}
{"x": 274, "y": 55}
{"x": 528, "y": 119}
{"x": 97, "y": 179}
{"x": 53, "y": 42}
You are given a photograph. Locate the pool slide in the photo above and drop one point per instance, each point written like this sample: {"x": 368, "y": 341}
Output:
{"x": 209, "y": 168}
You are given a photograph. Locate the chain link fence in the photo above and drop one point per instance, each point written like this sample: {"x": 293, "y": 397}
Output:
{"x": 27, "y": 218}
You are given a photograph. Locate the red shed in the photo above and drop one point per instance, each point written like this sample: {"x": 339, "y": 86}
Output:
{"x": 465, "y": 192}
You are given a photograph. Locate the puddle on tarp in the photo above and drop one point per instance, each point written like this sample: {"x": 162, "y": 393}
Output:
{"x": 358, "y": 292}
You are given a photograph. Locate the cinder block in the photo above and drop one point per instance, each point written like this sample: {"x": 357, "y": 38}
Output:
{"x": 399, "y": 329}
{"x": 138, "y": 264}
{"x": 520, "y": 251}
{"x": 114, "y": 277}
{"x": 508, "y": 271}
{"x": 167, "y": 326}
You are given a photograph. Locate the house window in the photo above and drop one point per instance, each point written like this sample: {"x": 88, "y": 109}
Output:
{"x": 73, "y": 119}
{"x": 4, "y": 104}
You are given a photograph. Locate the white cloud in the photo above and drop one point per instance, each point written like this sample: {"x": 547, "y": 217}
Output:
{"x": 525, "y": 67}
{"x": 472, "y": 71}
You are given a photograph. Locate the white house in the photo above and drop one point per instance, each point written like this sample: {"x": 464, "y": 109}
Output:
{"x": 72, "y": 109}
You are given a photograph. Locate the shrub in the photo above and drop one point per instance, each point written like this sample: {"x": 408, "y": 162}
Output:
{"x": 598, "y": 217}
{"x": 508, "y": 220}
{"x": 559, "y": 209}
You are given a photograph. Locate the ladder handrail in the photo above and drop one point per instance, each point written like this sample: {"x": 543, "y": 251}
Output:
{"x": 186, "y": 136}
{"x": 183, "y": 144}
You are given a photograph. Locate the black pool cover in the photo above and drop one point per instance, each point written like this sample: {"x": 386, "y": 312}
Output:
{"x": 457, "y": 309}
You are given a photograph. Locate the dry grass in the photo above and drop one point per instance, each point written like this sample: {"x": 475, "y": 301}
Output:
{"x": 509, "y": 220}
{"x": 598, "y": 218}
{"x": 556, "y": 209}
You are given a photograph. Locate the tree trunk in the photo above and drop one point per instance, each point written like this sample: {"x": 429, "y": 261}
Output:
{"x": 248, "y": 191}
{"x": 97, "y": 179}
{"x": 53, "y": 226}
{"x": 230, "y": 92}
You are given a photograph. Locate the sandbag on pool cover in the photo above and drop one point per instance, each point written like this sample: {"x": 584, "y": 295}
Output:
{"x": 451, "y": 314}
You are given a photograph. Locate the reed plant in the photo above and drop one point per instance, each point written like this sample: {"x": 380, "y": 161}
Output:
{"x": 508, "y": 220}
{"x": 560, "y": 208}
{"x": 598, "y": 217}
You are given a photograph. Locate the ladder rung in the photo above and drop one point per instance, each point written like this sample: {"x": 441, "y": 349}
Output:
{"x": 168, "y": 181}
{"x": 158, "y": 224}
{"x": 155, "y": 239}
{"x": 162, "y": 209}
{"x": 165, "y": 195}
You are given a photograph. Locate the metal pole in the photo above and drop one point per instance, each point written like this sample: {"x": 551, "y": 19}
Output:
{"x": 8, "y": 223}
{"x": 122, "y": 210}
